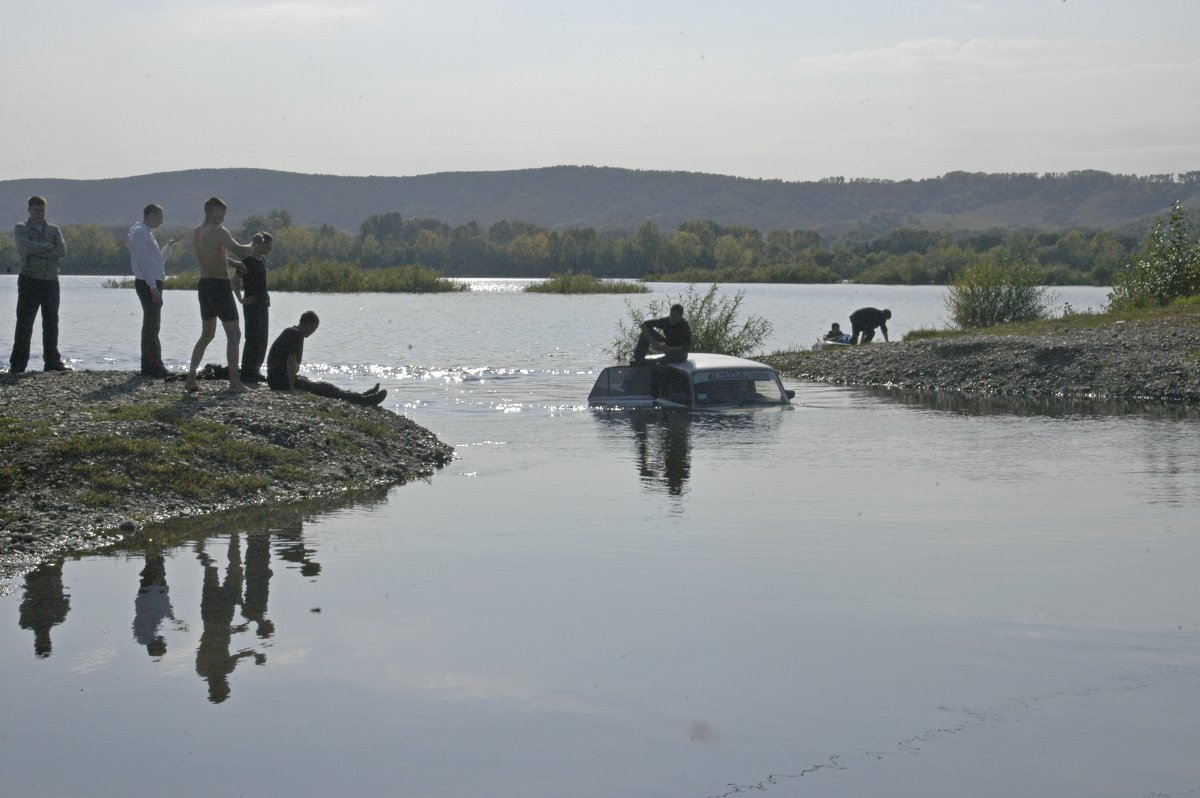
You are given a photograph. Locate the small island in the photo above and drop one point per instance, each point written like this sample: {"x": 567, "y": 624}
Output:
{"x": 87, "y": 454}
{"x": 1148, "y": 355}
{"x": 584, "y": 283}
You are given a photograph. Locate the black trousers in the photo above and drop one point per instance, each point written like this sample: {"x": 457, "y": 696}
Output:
{"x": 255, "y": 349}
{"x": 643, "y": 347}
{"x": 151, "y": 323}
{"x": 867, "y": 333}
{"x": 326, "y": 389}
{"x": 34, "y": 295}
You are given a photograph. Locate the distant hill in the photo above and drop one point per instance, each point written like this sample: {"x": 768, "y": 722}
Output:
{"x": 621, "y": 199}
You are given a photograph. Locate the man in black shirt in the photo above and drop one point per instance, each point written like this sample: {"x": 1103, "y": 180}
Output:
{"x": 283, "y": 363}
{"x": 671, "y": 335}
{"x": 864, "y": 321}
{"x": 251, "y": 289}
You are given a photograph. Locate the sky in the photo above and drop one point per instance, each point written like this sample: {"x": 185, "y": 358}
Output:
{"x": 776, "y": 89}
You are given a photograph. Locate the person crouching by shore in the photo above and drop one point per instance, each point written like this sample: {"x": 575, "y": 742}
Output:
{"x": 864, "y": 321}
{"x": 212, "y": 241}
{"x": 251, "y": 290}
{"x": 283, "y": 366}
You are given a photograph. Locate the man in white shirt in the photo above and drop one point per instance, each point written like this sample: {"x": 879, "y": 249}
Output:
{"x": 148, "y": 262}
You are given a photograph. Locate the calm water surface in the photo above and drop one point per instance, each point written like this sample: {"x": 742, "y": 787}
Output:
{"x": 868, "y": 594}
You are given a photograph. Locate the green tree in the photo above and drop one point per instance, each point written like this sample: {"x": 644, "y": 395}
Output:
{"x": 8, "y": 255}
{"x": 1169, "y": 268}
{"x": 273, "y": 222}
{"x": 648, "y": 244}
{"x": 728, "y": 253}
{"x": 94, "y": 250}
{"x": 684, "y": 251}
{"x": 779, "y": 247}
{"x": 383, "y": 227}
{"x": 529, "y": 255}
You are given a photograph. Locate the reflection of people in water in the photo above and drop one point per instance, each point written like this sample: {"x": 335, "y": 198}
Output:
{"x": 258, "y": 583}
{"x": 674, "y": 455}
{"x": 152, "y": 604}
{"x": 292, "y": 549}
{"x": 45, "y": 605}
{"x": 218, "y": 603}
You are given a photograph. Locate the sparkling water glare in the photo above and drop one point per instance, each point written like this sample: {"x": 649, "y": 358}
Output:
{"x": 871, "y": 593}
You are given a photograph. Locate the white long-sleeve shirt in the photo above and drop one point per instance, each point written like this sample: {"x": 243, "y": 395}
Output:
{"x": 146, "y": 258}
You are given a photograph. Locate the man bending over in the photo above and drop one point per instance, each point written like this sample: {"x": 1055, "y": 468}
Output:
{"x": 864, "y": 321}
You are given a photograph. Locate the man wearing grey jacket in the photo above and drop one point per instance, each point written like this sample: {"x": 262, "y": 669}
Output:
{"x": 40, "y": 246}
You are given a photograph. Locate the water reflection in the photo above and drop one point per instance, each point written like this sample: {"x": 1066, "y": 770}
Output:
{"x": 1154, "y": 443}
{"x": 662, "y": 444}
{"x": 234, "y": 574}
{"x": 218, "y": 603}
{"x": 1053, "y": 407}
{"x": 663, "y": 439}
{"x": 45, "y": 605}
{"x": 245, "y": 585}
{"x": 152, "y": 604}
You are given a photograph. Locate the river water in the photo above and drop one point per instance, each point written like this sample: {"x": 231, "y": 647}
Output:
{"x": 870, "y": 593}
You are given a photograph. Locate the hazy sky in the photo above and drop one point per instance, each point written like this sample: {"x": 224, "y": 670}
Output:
{"x": 795, "y": 90}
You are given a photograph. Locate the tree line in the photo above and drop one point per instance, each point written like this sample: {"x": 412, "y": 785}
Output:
{"x": 696, "y": 251}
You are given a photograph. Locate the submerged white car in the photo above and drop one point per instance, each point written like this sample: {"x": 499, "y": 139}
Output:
{"x": 702, "y": 381}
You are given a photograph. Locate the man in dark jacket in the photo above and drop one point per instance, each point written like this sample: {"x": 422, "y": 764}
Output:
{"x": 283, "y": 363}
{"x": 864, "y": 321}
{"x": 251, "y": 291}
{"x": 671, "y": 335}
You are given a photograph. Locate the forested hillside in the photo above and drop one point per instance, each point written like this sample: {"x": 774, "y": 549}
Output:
{"x": 608, "y": 199}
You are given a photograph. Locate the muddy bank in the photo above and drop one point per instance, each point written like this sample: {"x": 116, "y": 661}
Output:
{"x": 1153, "y": 360}
{"x": 88, "y": 454}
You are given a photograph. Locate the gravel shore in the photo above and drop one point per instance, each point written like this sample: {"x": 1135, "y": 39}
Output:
{"x": 89, "y": 454}
{"x": 1155, "y": 360}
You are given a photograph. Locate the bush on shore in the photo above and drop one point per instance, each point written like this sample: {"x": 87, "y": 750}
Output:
{"x": 714, "y": 321}
{"x": 584, "y": 283}
{"x": 989, "y": 293}
{"x": 1169, "y": 269}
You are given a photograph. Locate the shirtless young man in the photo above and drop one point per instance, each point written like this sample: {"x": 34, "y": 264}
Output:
{"x": 211, "y": 242}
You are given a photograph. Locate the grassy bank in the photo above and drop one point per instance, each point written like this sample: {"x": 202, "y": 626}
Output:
{"x": 1182, "y": 312}
{"x": 332, "y": 277}
{"x": 88, "y": 451}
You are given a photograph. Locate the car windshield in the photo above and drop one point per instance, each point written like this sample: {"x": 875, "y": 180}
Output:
{"x": 618, "y": 382}
{"x": 737, "y": 386}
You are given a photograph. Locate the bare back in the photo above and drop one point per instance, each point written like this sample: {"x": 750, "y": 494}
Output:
{"x": 211, "y": 241}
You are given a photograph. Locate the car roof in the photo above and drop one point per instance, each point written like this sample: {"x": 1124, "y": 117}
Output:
{"x": 705, "y": 361}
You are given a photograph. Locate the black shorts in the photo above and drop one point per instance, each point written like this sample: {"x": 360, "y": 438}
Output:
{"x": 216, "y": 299}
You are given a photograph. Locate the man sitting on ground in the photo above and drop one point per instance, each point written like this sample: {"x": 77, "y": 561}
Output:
{"x": 283, "y": 366}
{"x": 835, "y": 335}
